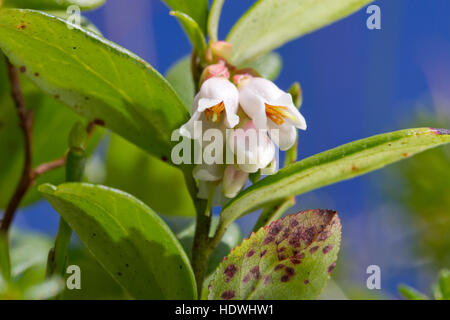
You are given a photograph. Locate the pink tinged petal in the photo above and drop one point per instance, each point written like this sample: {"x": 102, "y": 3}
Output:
{"x": 234, "y": 181}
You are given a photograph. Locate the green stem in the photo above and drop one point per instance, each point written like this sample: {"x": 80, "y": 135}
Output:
{"x": 76, "y": 159}
{"x": 201, "y": 249}
{"x": 5, "y": 261}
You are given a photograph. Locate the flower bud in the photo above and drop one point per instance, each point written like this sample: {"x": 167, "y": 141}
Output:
{"x": 233, "y": 181}
{"x": 222, "y": 49}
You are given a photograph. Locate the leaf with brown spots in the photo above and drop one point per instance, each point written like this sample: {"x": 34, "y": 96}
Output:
{"x": 290, "y": 259}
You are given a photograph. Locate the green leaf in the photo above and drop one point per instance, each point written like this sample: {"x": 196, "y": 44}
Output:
{"x": 180, "y": 77}
{"x": 197, "y": 9}
{"x": 338, "y": 164}
{"x": 411, "y": 293}
{"x": 158, "y": 184}
{"x": 95, "y": 77}
{"x": 268, "y": 66}
{"x": 228, "y": 242}
{"x": 127, "y": 238}
{"x": 50, "y": 117}
{"x": 213, "y": 20}
{"x": 290, "y": 259}
{"x": 271, "y": 23}
{"x": 52, "y": 4}
{"x": 193, "y": 32}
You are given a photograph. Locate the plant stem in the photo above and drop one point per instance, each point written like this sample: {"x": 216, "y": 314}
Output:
{"x": 201, "y": 249}
{"x": 5, "y": 261}
{"x": 57, "y": 258}
{"x": 26, "y": 123}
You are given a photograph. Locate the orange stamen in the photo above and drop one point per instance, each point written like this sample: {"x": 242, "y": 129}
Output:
{"x": 277, "y": 114}
{"x": 214, "y": 112}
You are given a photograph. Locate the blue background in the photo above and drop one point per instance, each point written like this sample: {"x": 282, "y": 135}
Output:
{"x": 356, "y": 83}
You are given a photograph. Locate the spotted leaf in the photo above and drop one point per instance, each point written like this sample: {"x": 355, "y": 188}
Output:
{"x": 290, "y": 259}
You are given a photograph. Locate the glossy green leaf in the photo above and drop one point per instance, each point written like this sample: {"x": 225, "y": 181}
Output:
{"x": 153, "y": 181}
{"x": 193, "y": 32}
{"x": 268, "y": 66}
{"x": 50, "y": 117}
{"x": 271, "y": 23}
{"x": 228, "y": 242}
{"x": 180, "y": 77}
{"x": 127, "y": 238}
{"x": 197, "y": 9}
{"x": 290, "y": 259}
{"x": 52, "y": 4}
{"x": 95, "y": 77}
{"x": 214, "y": 19}
{"x": 338, "y": 164}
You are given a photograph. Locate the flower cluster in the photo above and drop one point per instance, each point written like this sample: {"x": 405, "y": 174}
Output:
{"x": 253, "y": 115}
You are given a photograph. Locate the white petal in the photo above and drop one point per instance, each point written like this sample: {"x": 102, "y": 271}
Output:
{"x": 284, "y": 136}
{"x": 187, "y": 130}
{"x": 253, "y": 148}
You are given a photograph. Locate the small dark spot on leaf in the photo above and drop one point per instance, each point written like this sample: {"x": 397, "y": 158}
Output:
{"x": 127, "y": 265}
{"x": 295, "y": 261}
{"x": 246, "y": 278}
{"x": 56, "y": 96}
{"x": 276, "y": 228}
{"x": 164, "y": 158}
{"x": 227, "y": 295}
{"x": 23, "y": 69}
{"x": 294, "y": 223}
{"x": 119, "y": 274}
{"x": 36, "y": 74}
{"x": 306, "y": 281}
{"x": 331, "y": 267}
{"x": 355, "y": 168}
{"x": 250, "y": 253}
{"x": 290, "y": 271}
{"x": 268, "y": 240}
{"x": 285, "y": 278}
{"x": 22, "y": 26}
{"x": 279, "y": 267}
{"x": 327, "y": 249}
{"x": 230, "y": 271}
{"x": 94, "y": 235}
{"x": 263, "y": 253}
{"x": 313, "y": 249}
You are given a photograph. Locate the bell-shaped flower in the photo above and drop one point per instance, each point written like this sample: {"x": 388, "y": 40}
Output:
{"x": 215, "y": 106}
{"x": 270, "y": 108}
{"x": 252, "y": 147}
{"x": 234, "y": 180}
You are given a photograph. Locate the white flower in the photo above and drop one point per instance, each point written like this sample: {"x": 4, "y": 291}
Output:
{"x": 271, "y": 108}
{"x": 233, "y": 181}
{"x": 215, "y": 105}
{"x": 252, "y": 147}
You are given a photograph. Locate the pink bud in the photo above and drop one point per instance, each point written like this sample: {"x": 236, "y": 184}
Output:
{"x": 215, "y": 70}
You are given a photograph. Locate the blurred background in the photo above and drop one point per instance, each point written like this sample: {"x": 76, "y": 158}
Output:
{"x": 356, "y": 83}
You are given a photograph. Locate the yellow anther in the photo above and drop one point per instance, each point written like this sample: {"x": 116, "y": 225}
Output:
{"x": 214, "y": 112}
{"x": 278, "y": 114}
